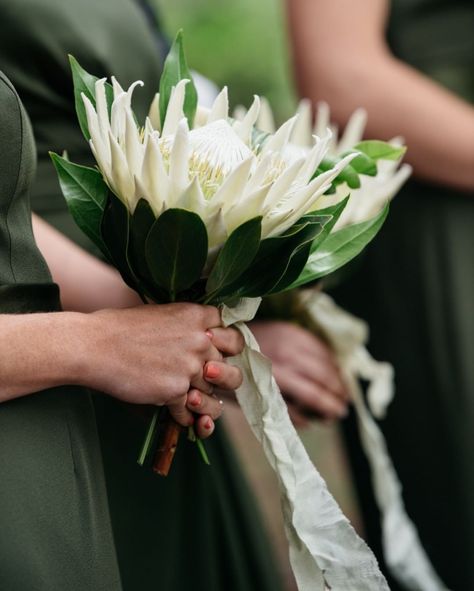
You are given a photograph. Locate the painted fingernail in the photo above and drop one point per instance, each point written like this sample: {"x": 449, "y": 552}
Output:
{"x": 195, "y": 399}
{"x": 208, "y": 424}
{"x": 212, "y": 371}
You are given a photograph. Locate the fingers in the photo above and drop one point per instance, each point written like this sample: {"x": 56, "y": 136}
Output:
{"x": 324, "y": 371}
{"x": 179, "y": 412}
{"x": 229, "y": 341}
{"x": 204, "y": 427}
{"x": 223, "y": 375}
{"x": 309, "y": 396}
{"x": 211, "y": 317}
{"x": 203, "y": 404}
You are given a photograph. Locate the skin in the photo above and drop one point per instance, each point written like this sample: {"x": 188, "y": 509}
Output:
{"x": 341, "y": 56}
{"x": 303, "y": 365}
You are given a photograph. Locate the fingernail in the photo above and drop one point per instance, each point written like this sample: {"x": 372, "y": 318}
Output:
{"x": 209, "y": 333}
{"x": 212, "y": 371}
{"x": 195, "y": 399}
{"x": 208, "y": 424}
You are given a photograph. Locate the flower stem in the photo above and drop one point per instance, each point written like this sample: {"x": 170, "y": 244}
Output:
{"x": 150, "y": 437}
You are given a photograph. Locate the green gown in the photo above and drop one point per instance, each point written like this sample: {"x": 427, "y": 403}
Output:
{"x": 415, "y": 286}
{"x": 199, "y": 528}
{"x": 54, "y": 516}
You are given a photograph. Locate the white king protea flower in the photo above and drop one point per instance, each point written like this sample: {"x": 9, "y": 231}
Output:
{"x": 374, "y": 191}
{"x": 214, "y": 170}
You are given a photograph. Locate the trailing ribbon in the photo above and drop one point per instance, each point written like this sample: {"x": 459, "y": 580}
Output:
{"x": 347, "y": 336}
{"x": 325, "y": 551}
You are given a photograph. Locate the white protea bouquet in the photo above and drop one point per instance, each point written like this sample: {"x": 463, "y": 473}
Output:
{"x": 192, "y": 205}
{"x": 195, "y": 206}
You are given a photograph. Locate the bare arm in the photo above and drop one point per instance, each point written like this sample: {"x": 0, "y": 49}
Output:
{"x": 87, "y": 284}
{"x": 341, "y": 56}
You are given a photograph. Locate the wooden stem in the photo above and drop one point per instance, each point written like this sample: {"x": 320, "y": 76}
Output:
{"x": 168, "y": 437}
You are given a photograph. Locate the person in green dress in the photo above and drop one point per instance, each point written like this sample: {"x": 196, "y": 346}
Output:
{"x": 410, "y": 63}
{"x": 54, "y": 514}
{"x": 225, "y": 536}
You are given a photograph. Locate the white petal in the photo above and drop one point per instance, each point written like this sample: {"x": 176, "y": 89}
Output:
{"x": 322, "y": 118}
{"x": 154, "y": 112}
{"x": 301, "y": 135}
{"x": 174, "y": 112}
{"x": 101, "y": 144}
{"x": 154, "y": 175}
{"x": 247, "y": 208}
{"x": 320, "y": 149}
{"x": 193, "y": 199}
{"x": 283, "y": 183}
{"x": 118, "y": 115}
{"x": 118, "y": 90}
{"x": 244, "y": 128}
{"x": 133, "y": 145}
{"x": 266, "y": 121}
{"x": 123, "y": 183}
{"x": 354, "y": 130}
{"x": 200, "y": 119}
{"x": 260, "y": 173}
{"x": 101, "y": 107}
{"x": 233, "y": 186}
{"x": 216, "y": 229}
{"x": 131, "y": 89}
{"x": 239, "y": 112}
{"x": 277, "y": 142}
{"x": 179, "y": 162}
{"x": 220, "y": 107}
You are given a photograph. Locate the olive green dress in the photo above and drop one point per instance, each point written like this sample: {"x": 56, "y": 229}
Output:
{"x": 198, "y": 529}
{"x": 54, "y": 521}
{"x": 415, "y": 287}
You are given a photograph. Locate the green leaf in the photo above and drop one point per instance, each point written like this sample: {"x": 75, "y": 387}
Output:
{"x": 339, "y": 248}
{"x": 175, "y": 69}
{"x": 346, "y": 175}
{"x": 236, "y": 255}
{"x": 335, "y": 212}
{"x": 84, "y": 83}
{"x": 362, "y": 163}
{"x": 115, "y": 230}
{"x": 378, "y": 150}
{"x": 274, "y": 259}
{"x": 176, "y": 250}
{"x": 86, "y": 195}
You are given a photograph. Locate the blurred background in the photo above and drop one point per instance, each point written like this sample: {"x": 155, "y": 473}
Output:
{"x": 243, "y": 44}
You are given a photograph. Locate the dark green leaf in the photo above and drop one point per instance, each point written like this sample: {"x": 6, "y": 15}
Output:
{"x": 176, "y": 250}
{"x": 175, "y": 69}
{"x": 236, "y": 255}
{"x": 378, "y": 150}
{"x": 339, "y": 248}
{"x": 275, "y": 257}
{"x": 86, "y": 195}
{"x": 84, "y": 83}
{"x": 115, "y": 233}
{"x": 335, "y": 212}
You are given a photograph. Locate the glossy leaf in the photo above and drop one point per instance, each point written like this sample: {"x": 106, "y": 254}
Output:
{"x": 175, "y": 69}
{"x": 335, "y": 212}
{"x": 362, "y": 163}
{"x": 115, "y": 229}
{"x": 339, "y": 248}
{"x": 86, "y": 195}
{"x": 378, "y": 150}
{"x": 274, "y": 258}
{"x": 236, "y": 255}
{"x": 85, "y": 83}
{"x": 176, "y": 250}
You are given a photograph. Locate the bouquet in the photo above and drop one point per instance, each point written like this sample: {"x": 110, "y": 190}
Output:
{"x": 192, "y": 205}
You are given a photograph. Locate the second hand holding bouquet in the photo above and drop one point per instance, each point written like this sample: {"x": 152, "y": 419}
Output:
{"x": 194, "y": 206}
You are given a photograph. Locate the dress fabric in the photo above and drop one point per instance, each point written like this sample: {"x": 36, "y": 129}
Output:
{"x": 198, "y": 528}
{"x": 415, "y": 287}
{"x": 54, "y": 515}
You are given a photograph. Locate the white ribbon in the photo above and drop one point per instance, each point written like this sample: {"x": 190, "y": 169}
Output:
{"x": 324, "y": 548}
{"x": 347, "y": 336}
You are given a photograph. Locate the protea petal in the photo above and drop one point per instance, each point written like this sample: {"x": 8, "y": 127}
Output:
{"x": 233, "y": 186}
{"x": 179, "y": 162}
{"x": 193, "y": 199}
{"x": 101, "y": 107}
{"x": 154, "y": 175}
{"x": 133, "y": 145}
{"x": 118, "y": 90}
{"x": 174, "y": 112}
{"x": 282, "y": 185}
{"x": 301, "y": 135}
{"x": 154, "y": 112}
{"x": 247, "y": 208}
{"x": 353, "y": 131}
{"x": 277, "y": 142}
{"x": 220, "y": 107}
{"x": 123, "y": 183}
{"x": 216, "y": 230}
{"x": 101, "y": 144}
{"x": 265, "y": 121}
{"x": 244, "y": 128}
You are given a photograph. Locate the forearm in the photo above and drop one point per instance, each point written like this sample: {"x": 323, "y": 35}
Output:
{"x": 347, "y": 63}
{"x": 39, "y": 351}
{"x": 86, "y": 283}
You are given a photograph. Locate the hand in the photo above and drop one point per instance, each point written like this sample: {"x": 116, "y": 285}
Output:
{"x": 305, "y": 370}
{"x": 168, "y": 354}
